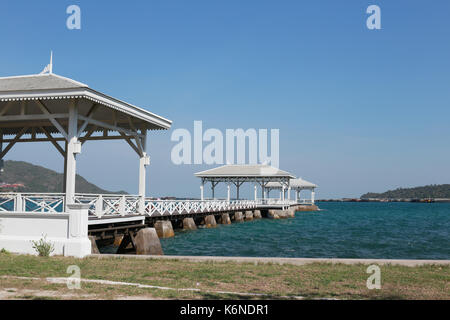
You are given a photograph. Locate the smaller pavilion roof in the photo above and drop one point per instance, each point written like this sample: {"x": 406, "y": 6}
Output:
{"x": 294, "y": 184}
{"x": 246, "y": 170}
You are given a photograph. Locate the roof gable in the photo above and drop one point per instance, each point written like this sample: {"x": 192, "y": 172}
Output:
{"x": 38, "y": 82}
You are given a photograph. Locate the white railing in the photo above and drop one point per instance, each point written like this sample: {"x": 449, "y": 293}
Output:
{"x": 32, "y": 202}
{"x": 109, "y": 204}
{"x": 122, "y": 205}
{"x": 171, "y": 207}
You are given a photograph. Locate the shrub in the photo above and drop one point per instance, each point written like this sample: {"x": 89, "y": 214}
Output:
{"x": 43, "y": 247}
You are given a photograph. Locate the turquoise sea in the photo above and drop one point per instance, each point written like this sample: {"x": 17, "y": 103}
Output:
{"x": 339, "y": 230}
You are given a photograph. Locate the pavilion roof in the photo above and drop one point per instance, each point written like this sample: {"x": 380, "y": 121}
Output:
{"x": 294, "y": 184}
{"x": 234, "y": 171}
{"x": 23, "y": 95}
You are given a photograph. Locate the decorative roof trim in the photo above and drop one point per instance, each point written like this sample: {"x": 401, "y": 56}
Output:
{"x": 89, "y": 94}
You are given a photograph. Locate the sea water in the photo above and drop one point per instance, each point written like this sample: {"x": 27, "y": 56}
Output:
{"x": 339, "y": 230}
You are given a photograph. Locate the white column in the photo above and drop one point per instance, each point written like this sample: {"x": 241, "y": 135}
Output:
{"x": 212, "y": 190}
{"x": 228, "y": 193}
{"x": 313, "y": 195}
{"x": 256, "y": 192}
{"x": 73, "y": 147}
{"x": 202, "y": 186}
{"x": 283, "y": 194}
{"x": 144, "y": 161}
{"x": 1, "y": 149}
{"x": 289, "y": 193}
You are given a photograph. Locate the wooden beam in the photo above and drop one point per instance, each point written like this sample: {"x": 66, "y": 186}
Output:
{"x": 109, "y": 126}
{"x": 27, "y": 117}
{"x": 87, "y": 135}
{"x": 53, "y": 141}
{"x": 128, "y": 140}
{"x": 45, "y": 110}
{"x": 12, "y": 143}
{"x": 90, "y": 114}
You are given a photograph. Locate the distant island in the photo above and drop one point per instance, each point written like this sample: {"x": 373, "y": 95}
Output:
{"x": 441, "y": 191}
{"x": 20, "y": 176}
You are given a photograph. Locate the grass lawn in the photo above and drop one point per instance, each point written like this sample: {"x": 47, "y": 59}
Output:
{"x": 23, "y": 277}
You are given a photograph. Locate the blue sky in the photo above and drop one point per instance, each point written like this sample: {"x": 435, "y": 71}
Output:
{"x": 358, "y": 110}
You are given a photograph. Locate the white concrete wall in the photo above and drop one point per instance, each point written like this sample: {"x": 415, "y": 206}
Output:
{"x": 68, "y": 232}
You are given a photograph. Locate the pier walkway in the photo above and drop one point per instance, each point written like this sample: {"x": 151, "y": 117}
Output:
{"x": 122, "y": 208}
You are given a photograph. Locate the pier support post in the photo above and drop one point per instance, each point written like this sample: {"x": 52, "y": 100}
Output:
{"x": 225, "y": 218}
{"x": 248, "y": 216}
{"x": 238, "y": 217}
{"x": 189, "y": 224}
{"x": 164, "y": 229}
{"x": 147, "y": 242}
{"x": 257, "y": 214}
{"x": 273, "y": 214}
{"x": 210, "y": 221}
{"x": 118, "y": 240}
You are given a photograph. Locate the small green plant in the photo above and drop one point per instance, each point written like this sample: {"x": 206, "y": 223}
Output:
{"x": 43, "y": 247}
{"x": 4, "y": 251}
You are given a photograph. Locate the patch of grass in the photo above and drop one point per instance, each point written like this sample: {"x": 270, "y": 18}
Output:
{"x": 318, "y": 280}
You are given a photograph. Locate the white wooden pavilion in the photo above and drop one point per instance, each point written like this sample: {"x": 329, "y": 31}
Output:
{"x": 236, "y": 175}
{"x": 294, "y": 184}
{"x": 67, "y": 113}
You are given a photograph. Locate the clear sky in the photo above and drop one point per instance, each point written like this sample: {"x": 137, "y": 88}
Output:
{"x": 358, "y": 110}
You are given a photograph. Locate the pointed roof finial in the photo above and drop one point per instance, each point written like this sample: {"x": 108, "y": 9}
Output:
{"x": 49, "y": 68}
{"x": 51, "y": 62}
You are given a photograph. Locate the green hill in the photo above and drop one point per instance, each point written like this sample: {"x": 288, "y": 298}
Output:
{"x": 40, "y": 179}
{"x": 426, "y": 192}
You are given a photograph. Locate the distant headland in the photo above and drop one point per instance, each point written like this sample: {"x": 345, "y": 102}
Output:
{"x": 430, "y": 193}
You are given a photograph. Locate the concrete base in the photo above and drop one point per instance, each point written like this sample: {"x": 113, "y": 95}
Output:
{"x": 248, "y": 215}
{"x": 164, "y": 229}
{"x": 238, "y": 217}
{"x": 189, "y": 224}
{"x": 283, "y": 214}
{"x": 210, "y": 221}
{"x": 225, "y": 218}
{"x": 257, "y": 214}
{"x": 273, "y": 214}
{"x": 291, "y": 213}
{"x": 67, "y": 232}
{"x": 147, "y": 242}
{"x": 94, "y": 248}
